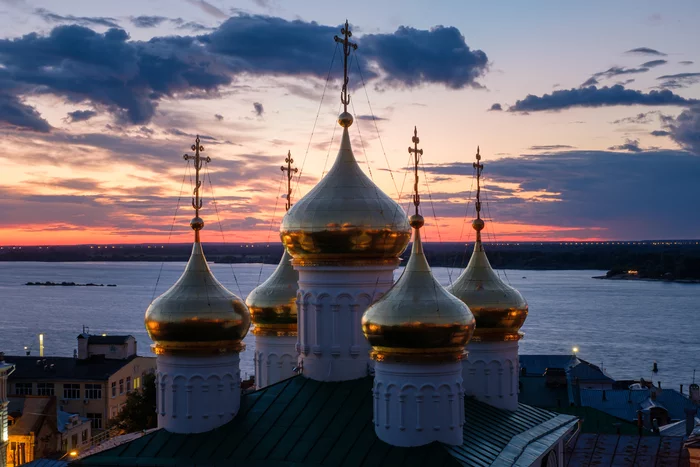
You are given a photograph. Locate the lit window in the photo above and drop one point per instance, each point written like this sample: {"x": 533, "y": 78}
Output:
{"x": 93, "y": 391}
{"x": 137, "y": 382}
{"x": 71, "y": 391}
{"x": 23, "y": 389}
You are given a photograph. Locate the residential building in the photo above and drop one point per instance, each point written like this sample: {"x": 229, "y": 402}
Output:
{"x": 5, "y": 370}
{"x": 39, "y": 429}
{"x": 93, "y": 384}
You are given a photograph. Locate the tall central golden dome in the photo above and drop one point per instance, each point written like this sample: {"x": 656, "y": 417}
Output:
{"x": 345, "y": 218}
{"x": 500, "y": 310}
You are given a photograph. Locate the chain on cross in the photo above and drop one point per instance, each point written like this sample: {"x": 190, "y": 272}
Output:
{"x": 290, "y": 170}
{"x": 347, "y": 48}
{"x": 416, "y": 154}
{"x": 198, "y": 162}
{"x": 479, "y": 167}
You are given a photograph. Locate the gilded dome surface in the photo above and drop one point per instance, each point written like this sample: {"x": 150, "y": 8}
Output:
{"x": 197, "y": 313}
{"x": 345, "y": 217}
{"x": 418, "y": 319}
{"x": 273, "y": 304}
{"x": 499, "y": 309}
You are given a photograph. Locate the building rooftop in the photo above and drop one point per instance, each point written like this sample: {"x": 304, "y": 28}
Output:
{"x": 624, "y": 403}
{"x": 106, "y": 340}
{"x": 64, "y": 368}
{"x": 30, "y": 412}
{"x": 617, "y": 450}
{"x": 300, "y": 422}
{"x": 677, "y": 428}
{"x": 535, "y": 365}
{"x": 588, "y": 372}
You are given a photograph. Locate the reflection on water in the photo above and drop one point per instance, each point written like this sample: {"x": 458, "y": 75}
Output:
{"x": 625, "y": 325}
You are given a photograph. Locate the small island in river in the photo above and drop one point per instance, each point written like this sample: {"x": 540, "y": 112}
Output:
{"x": 646, "y": 275}
{"x": 69, "y": 284}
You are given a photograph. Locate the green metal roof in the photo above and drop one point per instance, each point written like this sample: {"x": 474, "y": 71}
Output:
{"x": 302, "y": 422}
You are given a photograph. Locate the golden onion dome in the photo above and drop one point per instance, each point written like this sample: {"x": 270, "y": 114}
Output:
{"x": 500, "y": 310}
{"x": 418, "y": 319}
{"x": 273, "y": 304}
{"x": 345, "y": 218}
{"x": 197, "y": 314}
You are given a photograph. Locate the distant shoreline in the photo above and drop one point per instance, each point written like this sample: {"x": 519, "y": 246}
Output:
{"x": 67, "y": 284}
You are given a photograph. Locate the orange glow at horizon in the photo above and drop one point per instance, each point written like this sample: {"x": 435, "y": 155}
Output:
{"x": 450, "y": 231}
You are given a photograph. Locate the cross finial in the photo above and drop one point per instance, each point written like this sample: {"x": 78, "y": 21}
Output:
{"x": 478, "y": 223}
{"x": 416, "y": 154}
{"x": 290, "y": 170}
{"x": 347, "y": 48}
{"x": 197, "y": 223}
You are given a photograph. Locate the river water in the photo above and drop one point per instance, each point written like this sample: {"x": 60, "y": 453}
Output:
{"x": 623, "y": 325}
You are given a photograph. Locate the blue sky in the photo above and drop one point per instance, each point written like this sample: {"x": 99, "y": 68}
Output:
{"x": 97, "y": 106}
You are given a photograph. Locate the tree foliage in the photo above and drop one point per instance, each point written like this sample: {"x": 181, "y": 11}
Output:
{"x": 139, "y": 412}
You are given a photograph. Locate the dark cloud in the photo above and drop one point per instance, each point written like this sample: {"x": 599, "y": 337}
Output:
{"x": 645, "y": 51}
{"x": 686, "y": 62}
{"x": 370, "y": 118}
{"x": 611, "y": 73}
{"x": 219, "y": 117}
{"x": 128, "y": 78}
{"x": 685, "y": 129}
{"x": 258, "y": 109}
{"x": 208, "y": 8}
{"x": 496, "y": 107}
{"x": 50, "y": 17}
{"x": 191, "y": 25}
{"x": 620, "y": 70}
{"x": 550, "y": 147}
{"x": 631, "y": 145}
{"x": 589, "y": 82}
{"x": 593, "y": 189}
{"x": 654, "y": 63}
{"x": 147, "y": 21}
{"x": 660, "y": 133}
{"x": 178, "y": 132}
{"x": 80, "y": 115}
{"x": 410, "y": 57}
{"x": 75, "y": 184}
{"x": 625, "y": 82}
{"x": 640, "y": 118}
{"x": 16, "y": 114}
{"x": 679, "y": 80}
{"x": 598, "y": 97}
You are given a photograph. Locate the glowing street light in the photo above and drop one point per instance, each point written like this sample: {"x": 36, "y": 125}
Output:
{"x": 575, "y": 350}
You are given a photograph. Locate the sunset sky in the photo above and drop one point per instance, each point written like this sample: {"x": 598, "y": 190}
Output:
{"x": 587, "y": 114}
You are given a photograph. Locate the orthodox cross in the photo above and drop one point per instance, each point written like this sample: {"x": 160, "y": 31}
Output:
{"x": 479, "y": 167}
{"x": 289, "y": 171}
{"x": 197, "y": 223}
{"x": 347, "y": 48}
{"x": 416, "y": 153}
